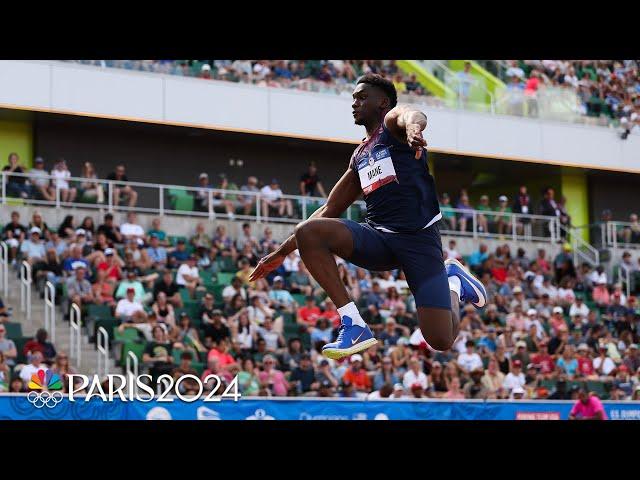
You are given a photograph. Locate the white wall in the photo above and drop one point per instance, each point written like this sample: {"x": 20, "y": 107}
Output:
{"x": 69, "y": 88}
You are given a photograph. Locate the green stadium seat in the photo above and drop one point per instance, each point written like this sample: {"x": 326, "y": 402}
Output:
{"x": 299, "y": 298}
{"x": 224, "y": 278}
{"x": 20, "y": 342}
{"x": 136, "y": 347}
{"x": 14, "y": 330}
{"x": 127, "y": 335}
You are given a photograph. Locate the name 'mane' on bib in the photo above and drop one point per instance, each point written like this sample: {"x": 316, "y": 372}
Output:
{"x": 376, "y": 170}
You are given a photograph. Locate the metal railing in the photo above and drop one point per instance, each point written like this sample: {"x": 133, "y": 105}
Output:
{"x": 582, "y": 250}
{"x": 625, "y": 278}
{"x": 526, "y": 227}
{"x": 4, "y": 268}
{"x": 131, "y": 365}
{"x": 102, "y": 345}
{"x": 75, "y": 334}
{"x": 615, "y": 233}
{"x": 517, "y": 226}
{"x": 25, "y": 289}
{"x": 50, "y": 310}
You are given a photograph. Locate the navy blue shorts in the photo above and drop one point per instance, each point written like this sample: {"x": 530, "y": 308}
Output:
{"x": 418, "y": 254}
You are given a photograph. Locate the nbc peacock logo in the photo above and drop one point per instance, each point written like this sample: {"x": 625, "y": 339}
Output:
{"x": 44, "y": 385}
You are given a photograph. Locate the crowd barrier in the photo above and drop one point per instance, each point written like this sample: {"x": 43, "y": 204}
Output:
{"x": 18, "y": 407}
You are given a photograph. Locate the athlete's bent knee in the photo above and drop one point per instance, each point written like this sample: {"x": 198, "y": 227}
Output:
{"x": 305, "y": 231}
{"x": 440, "y": 342}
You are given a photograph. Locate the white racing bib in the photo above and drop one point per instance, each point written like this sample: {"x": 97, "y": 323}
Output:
{"x": 377, "y": 171}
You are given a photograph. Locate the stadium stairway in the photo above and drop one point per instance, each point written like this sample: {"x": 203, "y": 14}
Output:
{"x": 88, "y": 352}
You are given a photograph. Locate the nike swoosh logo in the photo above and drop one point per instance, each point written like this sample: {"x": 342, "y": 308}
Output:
{"x": 353, "y": 342}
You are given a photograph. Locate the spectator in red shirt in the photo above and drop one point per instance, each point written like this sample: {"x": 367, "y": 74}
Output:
{"x": 219, "y": 351}
{"x": 585, "y": 364}
{"x": 543, "y": 360}
{"x": 39, "y": 344}
{"x": 356, "y": 375}
{"x": 309, "y": 313}
{"x": 331, "y": 313}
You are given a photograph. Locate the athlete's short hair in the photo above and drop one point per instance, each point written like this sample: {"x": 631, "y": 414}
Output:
{"x": 382, "y": 83}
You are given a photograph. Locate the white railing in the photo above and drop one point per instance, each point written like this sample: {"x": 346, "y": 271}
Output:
{"x": 582, "y": 250}
{"x": 525, "y": 227}
{"x": 614, "y": 235}
{"x": 517, "y": 226}
{"x": 4, "y": 268}
{"x": 102, "y": 345}
{"x": 75, "y": 318}
{"x": 131, "y": 365}
{"x": 50, "y": 310}
{"x": 25, "y": 289}
{"x": 625, "y": 278}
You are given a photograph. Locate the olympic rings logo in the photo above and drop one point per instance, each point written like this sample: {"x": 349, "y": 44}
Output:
{"x": 45, "y": 398}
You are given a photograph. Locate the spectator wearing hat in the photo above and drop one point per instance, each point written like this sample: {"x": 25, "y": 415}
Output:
{"x": 157, "y": 253}
{"x": 33, "y": 249}
{"x": 623, "y": 385}
{"x": 129, "y": 309}
{"x": 585, "y": 363}
{"x": 272, "y": 378}
{"x": 482, "y": 219}
{"x": 280, "y": 298}
{"x": 201, "y": 193}
{"x": 357, "y": 375}
{"x": 515, "y": 378}
{"x": 603, "y": 365}
{"x": 40, "y": 181}
{"x": 502, "y": 219}
{"x": 588, "y": 407}
{"x": 272, "y": 201}
{"x": 249, "y": 201}
{"x": 632, "y": 357}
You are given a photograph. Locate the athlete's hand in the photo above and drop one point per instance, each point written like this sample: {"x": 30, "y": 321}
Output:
{"x": 415, "y": 139}
{"x": 267, "y": 264}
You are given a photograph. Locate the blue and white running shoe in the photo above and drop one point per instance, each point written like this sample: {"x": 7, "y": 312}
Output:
{"x": 351, "y": 339}
{"x": 472, "y": 289}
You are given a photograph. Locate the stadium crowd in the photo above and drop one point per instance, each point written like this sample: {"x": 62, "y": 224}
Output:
{"x": 550, "y": 326}
{"x": 608, "y": 88}
{"x": 325, "y": 76}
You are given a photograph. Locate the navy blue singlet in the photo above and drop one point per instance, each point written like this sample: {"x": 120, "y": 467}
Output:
{"x": 398, "y": 189}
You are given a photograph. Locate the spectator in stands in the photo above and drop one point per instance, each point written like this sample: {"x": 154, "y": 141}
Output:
{"x": 62, "y": 367}
{"x": 157, "y": 253}
{"x": 35, "y": 364}
{"x": 103, "y": 289}
{"x": 310, "y": 184}
{"x": 41, "y": 182}
{"x": 449, "y": 217}
{"x": 280, "y": 298}
{"x": 90, "y": 190}
{"x": 214, "y": 327}
{"x": 477, "y": 258}
{"x": 272, "y": 201}
{"x": 157, "y": 354}
{"x": 274, "y": 340}
{"x": 110, "y": 230}
{"x": 309, "y": 313}
{"x": 131, "y": 230}
{"x": 14, "y": 233}
{"x": 121, "y": 191}
{"x": 245, "y": 238}
{"x": 7, "y": 348}
{"x": 40, "y": 344}
{"x": 273, "y": 379}
{"x": 33, "y": 249}
{"x": 630, "y": 233}
{"x": 130, "y": 310}
{"x": 16, "y": 185}
{"x": 303, "y": 378}
{"x": 465, "y": 213}
{"x": 522, "y": 205}
{"x": 588, "y": 407}
{"x": 248, "y": 201}
{"x": 78, "y": 287}
{"x": 156, "y": 230}
{"x": 61, "y": 175}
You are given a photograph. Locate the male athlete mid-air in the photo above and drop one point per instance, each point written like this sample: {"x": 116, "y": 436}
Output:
{"x": 400, "y": 230}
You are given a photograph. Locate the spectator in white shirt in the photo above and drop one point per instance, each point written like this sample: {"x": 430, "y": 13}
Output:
{"x": 469, "y": 360}
{"x": 234, "y": 289}
{"x": 272, "y": 200}
{"x": 32, "y": 367}
{"x": 40, "y": 181}
{"x": 598, "y": 276}
{"x": 602, "y": 364}
{"x": 130, "y": 229}
{"x": 291, "y": 261}
{"x": 578, "y": 307}
{"x": 129, "y": 309}
{"x": 451, "y": 250}
{"x": 187, "y": 275}
{"x": 61, "y": 174}
{"x": 415, "y": 375}
{"x": 515, "y": 378}
{"x": 532, "y": 319}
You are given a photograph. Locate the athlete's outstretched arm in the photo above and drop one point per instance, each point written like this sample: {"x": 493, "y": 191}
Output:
{"x": 344, "y": 193}
{"x": 406, "y": 124}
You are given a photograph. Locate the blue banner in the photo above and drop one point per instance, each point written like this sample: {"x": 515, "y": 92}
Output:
{"x": 18, "y": 407}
